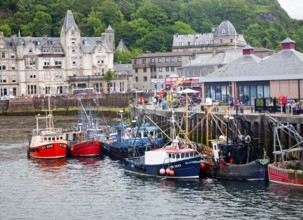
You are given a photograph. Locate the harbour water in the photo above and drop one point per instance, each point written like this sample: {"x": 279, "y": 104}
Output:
{"x": 98, "y": 188}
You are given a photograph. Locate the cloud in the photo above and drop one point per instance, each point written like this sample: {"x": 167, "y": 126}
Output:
{"x": 293, "y": 8}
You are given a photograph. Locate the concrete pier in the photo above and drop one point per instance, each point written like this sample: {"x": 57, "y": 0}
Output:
{"x": 259, "y": 123}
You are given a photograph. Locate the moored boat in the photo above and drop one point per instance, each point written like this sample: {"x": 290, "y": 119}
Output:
{"x": 235, "y": 156}
{"x": 84, "y": 141}
{"x": 126, "y": 140}
{"x": 287, "y": 167}
{"x": 48, "y": 142}
{"x": 179, "y": 159}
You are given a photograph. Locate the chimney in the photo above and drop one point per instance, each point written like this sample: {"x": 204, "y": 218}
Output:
{"x": 248, "y": 50}
{"x": 288, "y": 44}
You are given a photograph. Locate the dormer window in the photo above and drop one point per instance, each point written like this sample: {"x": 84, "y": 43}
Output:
{"x": 223, "y": 32}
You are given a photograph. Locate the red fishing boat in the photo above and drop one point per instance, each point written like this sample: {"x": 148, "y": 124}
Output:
{"x": 84, "y": 141}
{"x": 48, "y": 142}
{"x": 287, "y": 167}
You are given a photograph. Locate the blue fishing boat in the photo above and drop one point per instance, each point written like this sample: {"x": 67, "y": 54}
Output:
{"x": 122, "y": 140}
{"x": 179, "y": 159}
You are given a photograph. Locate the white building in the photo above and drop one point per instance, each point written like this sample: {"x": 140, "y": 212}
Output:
{"x": 43, "y": 65}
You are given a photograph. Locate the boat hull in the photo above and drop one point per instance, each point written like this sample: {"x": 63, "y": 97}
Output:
{"x": 85, "y": 149}
{"x": 125, "y": 151}
{"x": 52, "y": 150}
{"x": 188, "y": 168}
{"x": 285, "y": 176}
{"x": 255, "y": 170}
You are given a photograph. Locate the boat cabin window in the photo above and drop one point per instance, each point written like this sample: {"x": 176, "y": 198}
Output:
{"x": 49, "y": 138}
{"x": 159, "y": 135}
{"x": 53, "y": 138}
{"x": 182, "y": 155}
{"x": 177, "y": 156}
{"x": 145, "y": 134}
{"x": 169, "y": 155}
{"x": 174, "y": 156}
{"x": 187, "y": 155}
{"x": 45, "y": 139}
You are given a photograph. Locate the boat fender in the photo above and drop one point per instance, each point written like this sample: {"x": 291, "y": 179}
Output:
{"x": 162, "y": 171}
{"x": 171, "y": 173}
{"x": 202, "y": 166}
{"x": 167, "y": 170}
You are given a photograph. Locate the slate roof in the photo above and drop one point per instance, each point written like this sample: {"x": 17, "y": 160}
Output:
{"x": 284, "y": 65}
{"x": 69, "y": 21}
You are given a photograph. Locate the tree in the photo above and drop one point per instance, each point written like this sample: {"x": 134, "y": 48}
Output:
{"x": 182, "y": 28}
{"x": 108, "y": 77}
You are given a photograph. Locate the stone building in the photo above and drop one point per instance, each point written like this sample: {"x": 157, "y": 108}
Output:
{"x": 222, "y": 37}
{"x": 31, "y": 66}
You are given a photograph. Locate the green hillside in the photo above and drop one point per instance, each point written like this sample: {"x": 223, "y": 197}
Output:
{"x": 149, "y": 25}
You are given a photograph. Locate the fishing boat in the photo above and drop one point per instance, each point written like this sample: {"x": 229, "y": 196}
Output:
{"x": 235, "y": 155}
{"x": 123, "y": 140}
{"x": 83, "y": 142}
{"x": 179, "y": 159}
{"x": 287, "y": 167}
{"x": 47, "y": 142}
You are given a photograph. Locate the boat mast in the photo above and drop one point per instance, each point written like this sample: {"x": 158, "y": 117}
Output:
{"x": 186, "y": 119}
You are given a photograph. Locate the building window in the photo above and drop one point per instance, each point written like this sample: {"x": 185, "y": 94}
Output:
{"x": 47, "y": 75}
{"x": 31, "y": 75}
{"x": 58, "y": 74}
{"x": 47, "y": 90}
{"x": 145, "y": 78}
{"x": 137, "y": 79}
{"x": 3, "y": 78}
{"x": 144, "y": 69}
{"x": 172, "y": 59}
{"x": 166, "y": 59}
{"x": 160, "y": 77}
{"x": 59, "y": 89}
{"x": 74, "y": 63}
{"x": 167, "y": 69}
{"x": 160, "y": 60}
{"x": 14, "y": 91}
{"x": 31, "y": 89}
{"x": 160, "y": 69}
{"x": 46, "y": 63}
{"x": 231, "y": 40}
{"x": 30, "y": 50}
{"x": 2, "y": 67}
{"x": 144, "y": 61}
{"x": 3, "y": 91}
{"x": 153, "y": 60}
{"x": 13, "y": 66}
{"x": 58, "y": 63}
{"x": 32, "y": 62}
{"x": 3, "y": 55}
{"x": 135, "y": 61}
{"x": 136, "y": 70}
{"x": 14, "y": 78}
{"x": 179, "y": 59}
{"x": 73, "y": 50}
{"x": 12, "y": 55}
{"x": 172, "y": 68}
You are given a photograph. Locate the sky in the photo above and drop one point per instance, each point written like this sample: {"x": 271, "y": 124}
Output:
{"x": 294, "y": 8}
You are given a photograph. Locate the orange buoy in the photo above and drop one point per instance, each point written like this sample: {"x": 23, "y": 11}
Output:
{"x": 171, "y": 173}
{"x": 167, "y": 170}
{"x": 202, "y": 166}
{"x": 162, "y": 171}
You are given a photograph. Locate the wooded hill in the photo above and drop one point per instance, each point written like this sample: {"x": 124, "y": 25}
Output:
{"x": 149, "y": 25}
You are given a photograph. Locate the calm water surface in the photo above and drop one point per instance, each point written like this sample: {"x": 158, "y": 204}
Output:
{"x": 98, "y": 188}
